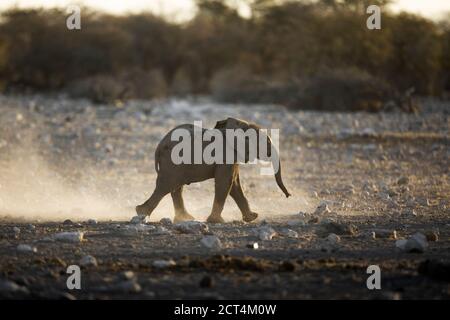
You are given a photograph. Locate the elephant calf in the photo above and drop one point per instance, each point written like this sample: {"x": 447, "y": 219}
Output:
{"x": 172, "y": 176}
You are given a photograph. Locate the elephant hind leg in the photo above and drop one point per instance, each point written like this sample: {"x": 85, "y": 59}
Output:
{"x": 181, "y": 213}
{"x": 241, "y": 200}
{"x": 148, "y": 206}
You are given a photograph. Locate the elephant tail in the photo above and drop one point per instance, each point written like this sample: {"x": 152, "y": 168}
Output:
{"x": 157, "y": 160}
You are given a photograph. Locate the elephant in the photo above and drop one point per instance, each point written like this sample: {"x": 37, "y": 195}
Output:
{"x": 172, "y": 177}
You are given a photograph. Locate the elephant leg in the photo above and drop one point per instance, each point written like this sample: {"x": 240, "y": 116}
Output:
{"x": 181, "y": 213}
{"x": 224, "y": 176}
{"x": 148, "y": 206}
{"x": 241, "y": 200}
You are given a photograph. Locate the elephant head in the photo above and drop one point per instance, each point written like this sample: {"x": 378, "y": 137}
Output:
{"x": 270, "y": 154}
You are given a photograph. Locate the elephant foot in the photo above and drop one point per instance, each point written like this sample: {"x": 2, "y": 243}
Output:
{"x": 249, "y": 217}
{"x": 180, "y": 217}
{"x": 140, "y": 210}
{"x": 215, "y": 219}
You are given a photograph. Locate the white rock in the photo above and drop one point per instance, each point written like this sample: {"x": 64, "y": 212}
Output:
{"x": 191, "y": 227}
{"x": 88, "y": 261}
{"x": 322, "y": 208}
{"x": 266, "y": 233}
{"x": 26, "y": 248}
{"x": 166, "y": 221}
{"x": 416, "y": 243}
{"x": 163, "y": 263}
{"x": 289, "y": 233}
{"x": 138, "y": 219}
{"x": 69, "y": 236}
{"x": 16, "y": 230}
{"x": 211, "y": 242}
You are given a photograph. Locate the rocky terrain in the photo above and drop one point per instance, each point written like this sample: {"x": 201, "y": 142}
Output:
{"x": 368, "y": 189}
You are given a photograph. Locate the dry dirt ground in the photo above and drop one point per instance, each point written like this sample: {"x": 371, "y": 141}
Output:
{"x": 358, "y": 177}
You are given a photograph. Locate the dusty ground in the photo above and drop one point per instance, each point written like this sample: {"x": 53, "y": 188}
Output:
{"x": 62, "y": 159}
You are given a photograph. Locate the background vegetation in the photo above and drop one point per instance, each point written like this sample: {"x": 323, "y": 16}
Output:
{"x": 301, "y": 54}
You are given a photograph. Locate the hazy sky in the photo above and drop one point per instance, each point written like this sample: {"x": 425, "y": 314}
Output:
{"x": 182, "y": 9}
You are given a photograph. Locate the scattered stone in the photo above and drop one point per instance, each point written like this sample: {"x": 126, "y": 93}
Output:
{"x": 289, "y": 233}
{"x": 127, "y": 275}
{"x": 88, "y": 261}
{"x": 417, "y": 243}
{"x": 16, "y": 230}
{"x": 432, "y": 236}
{"x": 67, "y": 222}
{"x": 206, "y": 282}
{"x": 160, "y": 230}
{"x": 191, "y": 227}
{"x": 409, "y": 212}
{"x": 333, "y": 238}
{"x": 266, "y": 233}
{"x": 92, "y": 221}
{"x": 211, "y": 242}
{"x": 31, "y": 227}
{"x": 26, "y": 248}
{"x": 385, "y": 234}
{"x": 322, "y": 208}
{"x": 166, "y": 221}
{"x": 138, "y": 219}
{"x": 160, "y": 264}
{"x": 253, "y": 245}
{"x": 69, "y": 236}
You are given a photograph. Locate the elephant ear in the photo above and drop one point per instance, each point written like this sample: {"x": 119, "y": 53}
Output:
{"x": 220, "y": 124}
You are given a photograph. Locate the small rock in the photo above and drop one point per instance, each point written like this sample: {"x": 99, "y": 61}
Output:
{"x": 138, "y": 219}
{"x": 417, "y": 243}
{"x": 16, "y": 230}
{"x": 128, "y": 286}
{"x": 211, "y": 242}
{"x": 432, "y": 236}
{"x": 328, "y": 227}
{"x": 69, "y": 236}
{"x": 26, "y": 248}
{"x": 166, "y": 221}
{"x": 409, "y": 212}
{"x": 253, "y": 245}
{"x": 163, "y": 263}
{"x": 67, "y": 222}
{"x": 127, "y": 275}
{"x": 289, "y": 233}
{"x": 322, "y": 208}
{"x": 191, "y": 227}
{"x": 31, "y": 227}
{"x": 403, "y": 181}
{"x": 333, "y": 238}
{"x": 385, "y": 234}
{"x": 266, "y": 233}
{"x": 88, "y": 261}
{"x": 92, "y": 221}
{"x": 161, "y": 230}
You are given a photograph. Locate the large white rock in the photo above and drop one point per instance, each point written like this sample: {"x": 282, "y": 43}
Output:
{"x": 416, "y": 243}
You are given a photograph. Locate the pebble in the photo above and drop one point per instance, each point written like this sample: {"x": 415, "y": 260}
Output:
{"x": 432, "y": 236}
{"x": 191, "y": 227}
{"x": 67, "y": 222}
{"x": 88, "y": 261}
{"x": 166, "y": 221}
{"x": 322, "y": 208}
{"x": 289, "y": 233}
{"x": 138, "y": 219}
{"x": 403, "y": 181}
{"x": 92, "y": 221}
{"x": 417, "y": 243}
{"x": 69, "y": 236}
{"x": 211, "y": 242}
{"x": 16, "y": 230}
{"x": 253, "y": 245}
{"x": 333, "y": 238}
{"x": 266, "y": 233}
{"x": 26, "y": 248}
{"x": 385, "y": 234}
{"x": 328, "y": 227}
{"x": 163, "y": 263}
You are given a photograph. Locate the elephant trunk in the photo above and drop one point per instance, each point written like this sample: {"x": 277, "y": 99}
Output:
{"x": 277, "y": 163}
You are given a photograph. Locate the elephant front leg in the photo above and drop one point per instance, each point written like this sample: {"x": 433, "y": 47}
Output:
{"x": 241, "y": 200}
{"x": 181, "y": 213}
{"x": 224, "y": 176}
